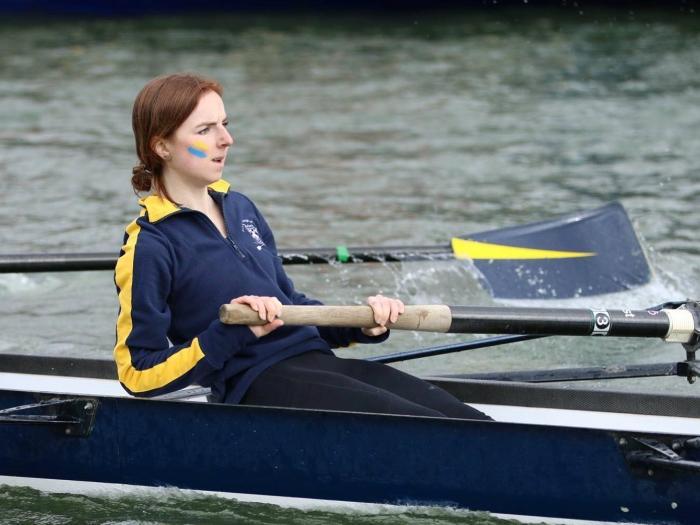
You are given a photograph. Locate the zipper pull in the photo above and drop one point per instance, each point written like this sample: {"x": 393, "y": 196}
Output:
{"x": 235, "y": 247}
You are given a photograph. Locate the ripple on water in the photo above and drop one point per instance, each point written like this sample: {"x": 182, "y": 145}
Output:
{"x": 172, "y": 506}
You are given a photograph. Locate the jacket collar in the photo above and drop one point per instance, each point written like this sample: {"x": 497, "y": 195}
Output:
{"x": 158, "y": 208}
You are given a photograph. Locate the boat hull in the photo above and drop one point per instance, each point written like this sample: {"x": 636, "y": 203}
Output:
{"x": 498, "y": 467}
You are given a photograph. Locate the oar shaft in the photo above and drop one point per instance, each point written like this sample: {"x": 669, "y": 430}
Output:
{"x": 56, "y": 262}
{"x": 72, "y": 262}
{"x": 360, "y": 254}
{"x": 672, "y": 325}
{"x": 555, "y": 321}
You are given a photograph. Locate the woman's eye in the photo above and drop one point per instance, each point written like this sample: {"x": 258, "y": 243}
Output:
{"x": 203, "y": 131}
{"x": 225, "y": 124}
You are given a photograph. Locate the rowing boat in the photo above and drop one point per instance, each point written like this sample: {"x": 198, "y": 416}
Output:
{"x": 565, "y": 453}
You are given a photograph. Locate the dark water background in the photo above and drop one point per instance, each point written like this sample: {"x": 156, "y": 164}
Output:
{"x": 355, "y": 129}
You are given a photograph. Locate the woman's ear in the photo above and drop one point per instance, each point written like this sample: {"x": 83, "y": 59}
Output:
{"x": 161, "y": 148}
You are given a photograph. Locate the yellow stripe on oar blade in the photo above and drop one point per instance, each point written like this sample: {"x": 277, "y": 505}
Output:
{"x": 468, "y": 249}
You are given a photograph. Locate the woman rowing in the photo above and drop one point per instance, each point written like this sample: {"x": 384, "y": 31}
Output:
{"x": 198, "y": 244}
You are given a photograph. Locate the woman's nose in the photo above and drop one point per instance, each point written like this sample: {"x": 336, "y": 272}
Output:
{"x": 226, "y": 138}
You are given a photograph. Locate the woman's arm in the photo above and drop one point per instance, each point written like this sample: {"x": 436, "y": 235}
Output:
{"x": 147, "y": 363}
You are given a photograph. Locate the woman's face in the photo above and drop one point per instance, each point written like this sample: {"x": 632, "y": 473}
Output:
{"x": 198, "y": 147}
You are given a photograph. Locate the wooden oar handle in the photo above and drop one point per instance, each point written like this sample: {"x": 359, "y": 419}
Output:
{"x": 429, "y": 318}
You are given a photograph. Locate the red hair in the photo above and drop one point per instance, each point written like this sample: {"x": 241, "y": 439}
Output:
{"x": 160, "y": 108}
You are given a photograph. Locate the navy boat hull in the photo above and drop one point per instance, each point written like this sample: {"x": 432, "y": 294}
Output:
{"x": 486, "y": 466}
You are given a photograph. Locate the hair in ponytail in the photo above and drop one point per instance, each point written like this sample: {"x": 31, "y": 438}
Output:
{"x": 141, "y": 179}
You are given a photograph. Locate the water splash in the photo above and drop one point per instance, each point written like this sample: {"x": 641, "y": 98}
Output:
{"x": 21, "y": 283}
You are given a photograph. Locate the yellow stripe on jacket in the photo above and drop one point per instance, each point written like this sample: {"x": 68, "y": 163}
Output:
{"x": 176, "y": 365}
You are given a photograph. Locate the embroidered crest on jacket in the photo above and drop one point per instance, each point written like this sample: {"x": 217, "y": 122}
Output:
{"x": 248, "y": 225}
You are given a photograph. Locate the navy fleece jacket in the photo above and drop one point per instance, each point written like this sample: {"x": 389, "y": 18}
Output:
{"x": 174, "y": 272}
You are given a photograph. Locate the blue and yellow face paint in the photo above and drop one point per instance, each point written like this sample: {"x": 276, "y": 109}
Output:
{"x": 198, "y": 149}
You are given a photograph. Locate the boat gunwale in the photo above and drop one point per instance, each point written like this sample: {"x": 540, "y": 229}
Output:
{"x": 479, "y": 391}
{"x": 484, "y": 394}
{"x": 537, "y": 395}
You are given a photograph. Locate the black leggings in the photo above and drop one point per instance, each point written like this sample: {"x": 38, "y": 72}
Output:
{"x": 323, "y": 381}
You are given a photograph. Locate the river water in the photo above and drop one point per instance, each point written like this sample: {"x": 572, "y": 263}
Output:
{"x": 355, "y": 129}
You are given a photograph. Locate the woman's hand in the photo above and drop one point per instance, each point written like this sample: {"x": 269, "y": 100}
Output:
{"x": 385, "y": 310}
{"x": 268, "y": 309}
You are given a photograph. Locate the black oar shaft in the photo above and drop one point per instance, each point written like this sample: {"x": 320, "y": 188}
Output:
{"x": 56, "y": 262}
{"x": 73, "y": 262}
{"x": 356, "y": 254}
{"x": 551, "y": 321}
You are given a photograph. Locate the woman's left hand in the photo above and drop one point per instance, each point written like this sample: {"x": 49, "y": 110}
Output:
{"x": 385, "y": 310}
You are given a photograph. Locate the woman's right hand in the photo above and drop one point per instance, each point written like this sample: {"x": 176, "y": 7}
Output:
{"x": 268, "y": 309}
